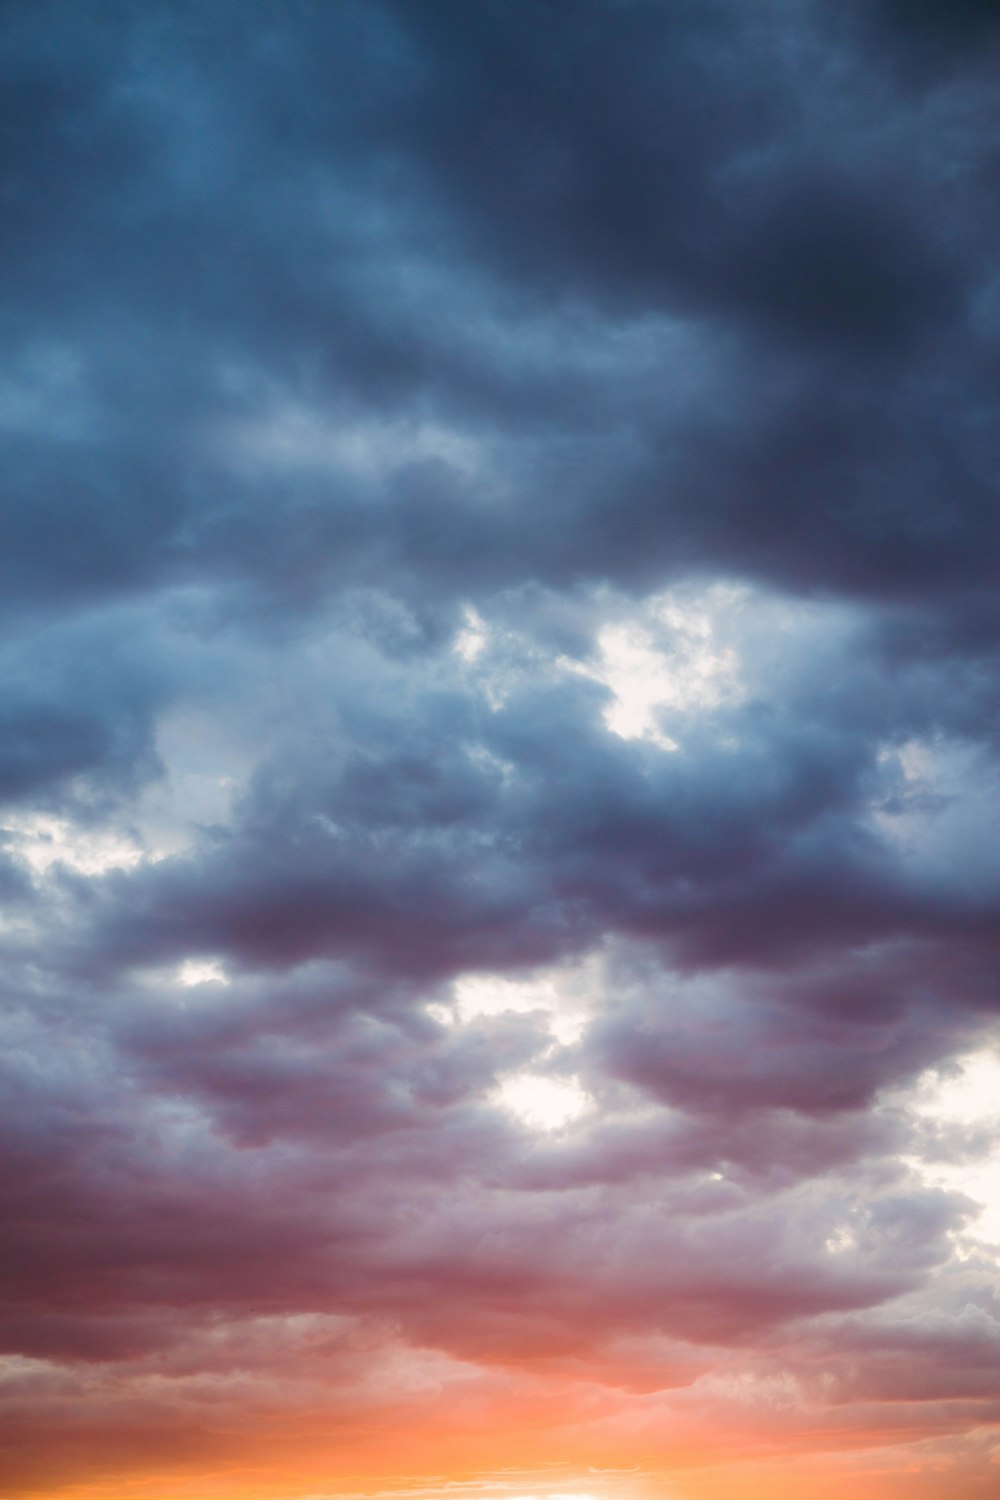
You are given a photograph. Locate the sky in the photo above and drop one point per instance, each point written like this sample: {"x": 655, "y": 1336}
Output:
{"x": 500, "y": 756}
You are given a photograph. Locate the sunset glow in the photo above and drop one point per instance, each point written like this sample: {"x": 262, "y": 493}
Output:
{"x": 499, "y": 771}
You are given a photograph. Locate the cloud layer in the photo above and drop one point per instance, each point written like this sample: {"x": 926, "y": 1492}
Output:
{"x": 499, "y": 762}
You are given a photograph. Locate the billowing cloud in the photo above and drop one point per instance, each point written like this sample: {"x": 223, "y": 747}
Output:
{"x": 499, "y": 782}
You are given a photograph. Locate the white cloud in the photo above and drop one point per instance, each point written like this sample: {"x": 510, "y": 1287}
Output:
{"x": 668, "y": 656}
{"x": 965, "y": 1097}
{"x": 201, "y": 971}
{"x": 542, "y": 1103}
{"x": 564, "y": 995}
{"x": 43, "y": 841}
{"x": 472, "y": 638}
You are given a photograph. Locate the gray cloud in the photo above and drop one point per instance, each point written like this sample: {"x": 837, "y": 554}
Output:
{"x": 392, "y": 390}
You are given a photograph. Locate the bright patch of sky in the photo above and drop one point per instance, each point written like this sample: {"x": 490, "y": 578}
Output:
{"x": 564, "y": 997}
{"x": 472, "y": 638}
{"x": 672, "y": 656}
{"x": 196, "y": 971}
{"x": 961, "y": 1105}
{"x": 542, "y": 1103}
{"x": 841, "y": 1240}
{"x": 43, "y": 841}
{"x": 668, "y": 657}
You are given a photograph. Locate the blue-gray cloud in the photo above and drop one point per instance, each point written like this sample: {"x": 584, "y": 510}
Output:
{"x": 375, "y": 373}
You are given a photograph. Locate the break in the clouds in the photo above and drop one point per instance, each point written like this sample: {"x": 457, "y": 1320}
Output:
{"x": 500, "y": 827}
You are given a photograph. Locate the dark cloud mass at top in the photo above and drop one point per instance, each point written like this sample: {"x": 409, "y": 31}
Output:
{"x": 499, "y": 500}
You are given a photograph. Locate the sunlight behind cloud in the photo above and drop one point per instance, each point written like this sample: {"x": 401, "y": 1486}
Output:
{"x": 666, "y": 657}
{"x": 564, "y": 996}
{"x": 45, "y": 841}
{"x": 967, "y": 1099}
{"x": 542, "y": 1103}
{"x": 201, "y": 971}
{"x": 471, "y": 639}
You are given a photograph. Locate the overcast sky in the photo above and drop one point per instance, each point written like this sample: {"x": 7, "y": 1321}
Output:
{"x": 500, "y": 827}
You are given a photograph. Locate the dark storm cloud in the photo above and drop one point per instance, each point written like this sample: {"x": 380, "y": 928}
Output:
{"x": 255, "y": 222}
{"x": 325, "y": 323}
{"x": 665, "y": 155}
{"x": 972, "y": 22}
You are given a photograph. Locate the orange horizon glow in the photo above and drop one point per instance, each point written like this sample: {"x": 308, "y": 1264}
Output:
{"x": 500, "y": 750}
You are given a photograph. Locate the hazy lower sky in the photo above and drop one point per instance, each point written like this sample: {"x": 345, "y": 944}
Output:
{"x": 500, "y": 755}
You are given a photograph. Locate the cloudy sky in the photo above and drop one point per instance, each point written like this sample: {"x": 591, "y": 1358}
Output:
{"x": 500, "y": 773}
